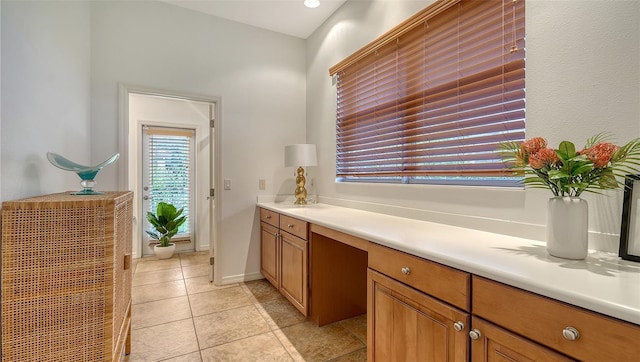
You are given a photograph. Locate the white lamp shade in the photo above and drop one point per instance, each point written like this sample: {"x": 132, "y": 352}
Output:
{"x": 300, "y": 155}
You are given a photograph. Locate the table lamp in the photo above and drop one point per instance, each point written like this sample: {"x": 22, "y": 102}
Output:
{"x": 300, "y": 155}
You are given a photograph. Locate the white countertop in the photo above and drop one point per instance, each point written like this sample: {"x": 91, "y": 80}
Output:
{"x": 602, "y": 282}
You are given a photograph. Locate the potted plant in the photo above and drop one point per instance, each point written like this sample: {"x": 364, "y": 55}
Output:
{"x": 567, "y": 173}
{"x": 166, "y": 222}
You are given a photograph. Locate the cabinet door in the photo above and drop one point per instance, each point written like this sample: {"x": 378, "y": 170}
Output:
{"x": 269, "y": 253}
{"x": 293, "y": 282}
{"x": 492, "y": 343}
{"x": 407, "y": 325}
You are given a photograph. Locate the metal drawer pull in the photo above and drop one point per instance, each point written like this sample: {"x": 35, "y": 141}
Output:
{"x": 475, "y": 334}
{"x": 458, "y": 326}
{"x": 405, "y": 270}
{"x": 570, "y": 333}
{"x": 268, "y": 217}
{"x": 289, "y": 225}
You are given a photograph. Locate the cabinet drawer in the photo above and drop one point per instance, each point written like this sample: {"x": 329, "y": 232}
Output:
{"x": 544, "y": 320}
{"x": 294, "y": 226}
{"x": 445, "y": 283}
{"x": 270, "y": 217}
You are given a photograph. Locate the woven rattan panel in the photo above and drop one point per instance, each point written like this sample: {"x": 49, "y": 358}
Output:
{"x": 121, "y": 277}
{"x": 57, "y": 277}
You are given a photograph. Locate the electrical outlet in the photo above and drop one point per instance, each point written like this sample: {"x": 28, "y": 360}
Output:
{"x": 262, "y": 184}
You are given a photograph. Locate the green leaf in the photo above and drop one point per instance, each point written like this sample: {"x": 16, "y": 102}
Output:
{"x": 558, "y": 174}
{"x": 566, "y": 150}
{"x": 580, "y": 168}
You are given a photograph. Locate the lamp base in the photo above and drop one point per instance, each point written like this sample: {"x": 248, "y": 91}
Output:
{"x": 301, "y": 191}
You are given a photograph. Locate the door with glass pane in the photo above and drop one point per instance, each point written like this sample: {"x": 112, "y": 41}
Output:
{"x": 168, "y": 175}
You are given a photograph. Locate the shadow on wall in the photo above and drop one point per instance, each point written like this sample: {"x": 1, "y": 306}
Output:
{"x": 286, "y": 190}
{"x": 435, "y": 194}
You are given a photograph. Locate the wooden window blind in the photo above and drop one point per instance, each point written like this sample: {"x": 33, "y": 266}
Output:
{"x": 430, "y": 101}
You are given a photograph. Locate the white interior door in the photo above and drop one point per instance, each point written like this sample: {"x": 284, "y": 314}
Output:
{"x": 212, "y": 203}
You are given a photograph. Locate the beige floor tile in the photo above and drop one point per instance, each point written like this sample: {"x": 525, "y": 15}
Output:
{"x": 153, "y": 264}
{"x": 280, "y": 313}
{"x": 202, "y": 284}
{"x": 357, "y": 326}
{"x": 315, "y": 343}
{"x": 261, "y": 291}
{"x": 160, "y": 312}
{"x": 199, "y": 270}
{"x": 263, "y": 347}
{"x": 357, "y": 356}
{"x": 293, "y": 352}
{"x": 228, "y": 326}
{"x": 163, "y": 341}
{"x": 191, "y": 357}
{"x": 152, "y": 292}
{"x": 158, "y": 276}
{"x": 194, "y": 258}
{"x": 218, "y": 300}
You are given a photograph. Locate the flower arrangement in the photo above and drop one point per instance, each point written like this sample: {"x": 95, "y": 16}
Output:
{"x": 567, "y": 172}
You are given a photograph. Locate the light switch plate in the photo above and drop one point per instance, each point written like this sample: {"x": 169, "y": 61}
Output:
{"x": 227, "y": 184}
{"x": 262, "y": 184}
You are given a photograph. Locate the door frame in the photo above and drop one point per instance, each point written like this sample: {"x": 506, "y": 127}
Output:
{"x": 216, "y": 158}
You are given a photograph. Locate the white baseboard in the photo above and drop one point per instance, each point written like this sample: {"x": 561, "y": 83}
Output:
{"x": 239, "y": 278}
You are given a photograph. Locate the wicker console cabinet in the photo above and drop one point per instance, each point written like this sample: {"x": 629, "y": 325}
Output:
{"x": 66, "y": 277}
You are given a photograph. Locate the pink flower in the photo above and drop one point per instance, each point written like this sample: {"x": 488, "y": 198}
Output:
{"x": 542, "y": 158}
{"x": 534, "y": 145}
{"x": 600, "y": 154}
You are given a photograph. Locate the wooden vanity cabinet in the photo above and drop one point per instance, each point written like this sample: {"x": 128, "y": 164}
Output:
{"x": 577, "y": 333}
{"x": 492, "y": 343}
{"x": 269, "y": 246}
{"x": 284, "y": 248}
{"x": 404, "y": 323}
{"x": 294, "y": 253}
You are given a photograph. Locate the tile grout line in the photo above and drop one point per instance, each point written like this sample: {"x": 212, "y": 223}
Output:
{"x": 193, "y": 319}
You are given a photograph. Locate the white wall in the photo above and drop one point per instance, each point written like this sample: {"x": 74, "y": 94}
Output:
{"x": 45, "y": 95}
{"x": 259, "y": 76}
{"x": 582, "y": 78}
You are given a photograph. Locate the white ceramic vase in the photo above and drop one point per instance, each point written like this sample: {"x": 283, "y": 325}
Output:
{"x": 567, "y": 227}
{"x": 165, "y": 252}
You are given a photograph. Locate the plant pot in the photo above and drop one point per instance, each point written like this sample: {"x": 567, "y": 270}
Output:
{"x": 164, "y": 252}
{"x": 567, "y": 227}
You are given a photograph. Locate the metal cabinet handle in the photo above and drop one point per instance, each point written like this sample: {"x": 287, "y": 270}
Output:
{"x": 289, "y": 225}
{"x": 475, "y": 334}
{"x": 458, "y": 326}
{"x": 570, "y": 333}
{"x": 268, "y": 217}
{"x": 406, "y": 270}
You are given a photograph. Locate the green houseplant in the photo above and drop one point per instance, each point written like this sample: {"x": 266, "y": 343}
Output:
{"x": 166, "y": 222}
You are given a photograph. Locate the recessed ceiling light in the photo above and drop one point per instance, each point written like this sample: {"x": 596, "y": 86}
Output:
{"x": 312, "y": 3}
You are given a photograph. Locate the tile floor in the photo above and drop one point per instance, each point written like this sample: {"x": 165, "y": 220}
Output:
{"x": 177, "y": 315}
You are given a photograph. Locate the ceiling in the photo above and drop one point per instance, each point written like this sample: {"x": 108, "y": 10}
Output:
{"x": 284, "y": 16}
